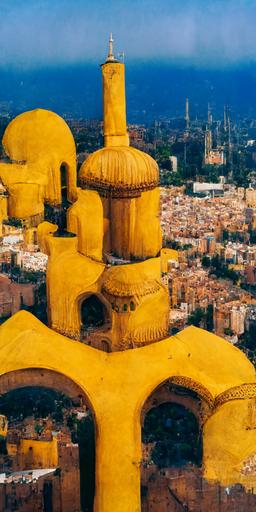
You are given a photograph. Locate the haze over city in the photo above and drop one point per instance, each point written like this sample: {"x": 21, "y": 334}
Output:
{"x": 51, "y": 58}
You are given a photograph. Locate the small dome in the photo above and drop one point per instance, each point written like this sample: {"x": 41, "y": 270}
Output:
{"x": 129, "y": 281}
{"x": 121, "y": 171}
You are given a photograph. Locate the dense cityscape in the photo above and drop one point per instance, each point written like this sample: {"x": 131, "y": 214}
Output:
{"x": 208, "y": 261}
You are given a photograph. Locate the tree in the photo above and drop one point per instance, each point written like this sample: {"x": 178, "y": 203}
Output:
{"x": 206, "y": 261}
{"x": 197, "y": 317}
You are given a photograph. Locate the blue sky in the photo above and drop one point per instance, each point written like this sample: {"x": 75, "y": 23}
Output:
{"x": 201, "y": 32}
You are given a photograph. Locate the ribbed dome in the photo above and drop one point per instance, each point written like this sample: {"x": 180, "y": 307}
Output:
{"x": 121, "y": 171}
{"x": 129, "y": 281}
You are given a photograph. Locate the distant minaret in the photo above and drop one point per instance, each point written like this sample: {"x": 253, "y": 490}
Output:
{"x": 218, "y": 138}
{"x": 230, "y": 148}
{"x": 229, "y": 132}
{"x": 207, "y": 145}
{"x": 209, "y": 115}
{"x": 225, "y": 119}
{"x": 187, "y": 119}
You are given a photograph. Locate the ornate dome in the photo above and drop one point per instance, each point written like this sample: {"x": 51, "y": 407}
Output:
{"x": 121, "y": 171}
{"x": 129, "y": 281}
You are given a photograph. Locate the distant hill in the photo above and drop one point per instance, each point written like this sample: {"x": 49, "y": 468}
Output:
{"x": 153, "y": 90}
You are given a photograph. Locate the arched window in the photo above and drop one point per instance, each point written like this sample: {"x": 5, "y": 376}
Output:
{"x": 64, "y": 184}
{"x": 105, "y": 346}
{"x": 132, "y": 306}
{"x": 93, "y": 312}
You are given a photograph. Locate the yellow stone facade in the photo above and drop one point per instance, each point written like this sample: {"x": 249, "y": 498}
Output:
{"x": 111, "y": 251}
{"x": 117, "y": 386}
{"x": 33, "y": 454}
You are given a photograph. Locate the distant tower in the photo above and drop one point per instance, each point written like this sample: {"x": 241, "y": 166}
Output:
{"x": 207, "y": 145}
{"x": 209, "y": 115}
{"x": 218, "y": 135}
{"x": 187, "y": 119}
{"x": 225, "y": 120}
{"x": 230, "y": 149}
{"x": 229, "y": 133}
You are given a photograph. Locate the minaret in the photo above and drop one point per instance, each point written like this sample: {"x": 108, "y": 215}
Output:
{"x": 187, "y": 119}
{"x": 225, "y": 119}
{"x": 110, "y": 57}
{"x": 208, "y": 145}
{"x": 114, "y": 102}
{"x": 209, "y": 115}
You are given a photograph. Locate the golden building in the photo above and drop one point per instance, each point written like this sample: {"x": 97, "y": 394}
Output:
{"x": 104, "y": 288}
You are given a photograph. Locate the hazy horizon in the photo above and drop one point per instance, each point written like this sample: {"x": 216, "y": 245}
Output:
{"x": 153, "y": 90}
{"x": 50, "y": 52}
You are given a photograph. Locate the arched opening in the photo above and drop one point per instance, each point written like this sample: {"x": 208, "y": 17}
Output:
{"x": 57, "y": 213}
{"x": 93, "y": 312}
{"x": 105, "y": 346}
{"x": 174, "y": 431}
{"x": 64, "y": 184}
{"x": 49, "y": 446}
{"x": 171, "y": 420}
{"x": 94, "y": 316}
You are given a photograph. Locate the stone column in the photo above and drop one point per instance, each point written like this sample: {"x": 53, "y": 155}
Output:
{"x": 118, "y": 458}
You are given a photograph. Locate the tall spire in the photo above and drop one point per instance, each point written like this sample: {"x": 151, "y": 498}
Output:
{"x": 187, "y": 119}
{"x": 110, "y": 57}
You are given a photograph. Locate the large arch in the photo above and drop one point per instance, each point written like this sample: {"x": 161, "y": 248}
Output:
{"x": 183, "y": 391}
{"x": 172, "y": 420}
{"x": 29, "y": 378}
{"x": 105, "y": 311}
{"x": 43, "y": 378}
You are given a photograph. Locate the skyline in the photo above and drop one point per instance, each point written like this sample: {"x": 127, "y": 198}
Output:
{"x": 61, "y": 32}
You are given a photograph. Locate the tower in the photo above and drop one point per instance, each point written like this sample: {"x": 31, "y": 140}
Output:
{"x": 125, "y": 178}
{"x": 114, "y": 103}
{"x": 187, "y": 118}
{"x": 225, "y": 119}
{"x": 209, "y": 115}
{"x": 115, "y": 289}
{"x": 207, "y": 145}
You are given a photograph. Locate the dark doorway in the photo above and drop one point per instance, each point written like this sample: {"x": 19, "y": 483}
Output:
{"x": 48, "y": 505}
{"x": 64, "y": 184}
{"x": 93, "y": 312}
{"x": 105, "y": 346}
